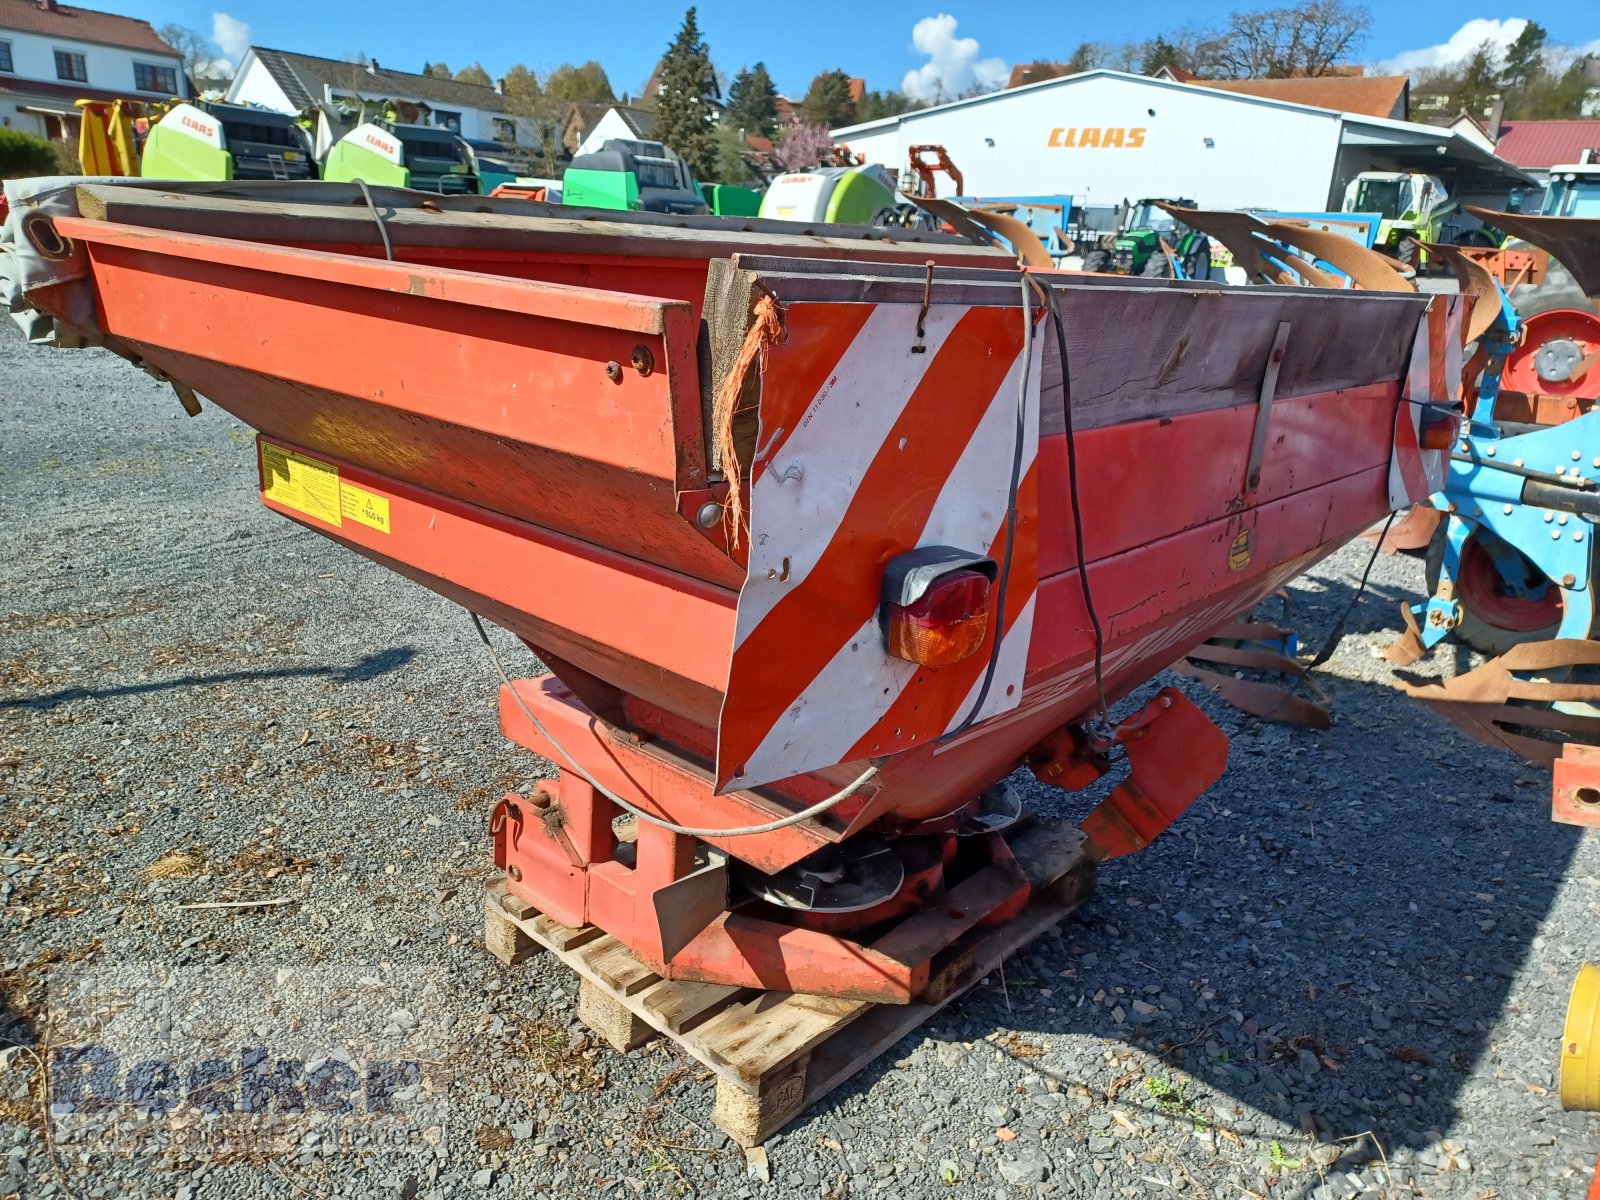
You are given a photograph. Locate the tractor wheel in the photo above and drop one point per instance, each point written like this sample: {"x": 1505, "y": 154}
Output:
{"x": 1405, "y": 252}
{"x": 1496, "y": 613}
{"x": 1157, "y": 266}
{"x": 1098, "y": 259}
{"x": 1197, "y": 263}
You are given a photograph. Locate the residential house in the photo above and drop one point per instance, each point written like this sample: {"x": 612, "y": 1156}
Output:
{"x": 1536, "y": 146}
{"x": 52, "y": 54}
{"x": 342, "y": 94}
{"x": 614, "y": 121}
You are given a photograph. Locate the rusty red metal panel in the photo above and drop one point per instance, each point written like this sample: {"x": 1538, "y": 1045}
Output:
{"x": 1575, "y": 785}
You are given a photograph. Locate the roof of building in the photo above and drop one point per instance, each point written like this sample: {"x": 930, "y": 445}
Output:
{"x": 1369, "y": 95}
{"x": 1535, "y": 145}
{"x": 303, "y": 77}
{"x": 1033, "y": 72}
{"x": 81, "y": 24}
{"x": 24, "y": 89}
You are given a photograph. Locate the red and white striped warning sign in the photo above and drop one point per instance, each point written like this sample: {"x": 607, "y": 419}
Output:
{"x": 875, "y": 441}
{"x": 1433, "y": 378}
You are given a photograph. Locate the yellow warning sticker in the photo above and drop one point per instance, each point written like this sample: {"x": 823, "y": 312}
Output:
{"x": 310, "y": 486}
{"x": 358, "y": 504}
{"x": 1242, "y": 551}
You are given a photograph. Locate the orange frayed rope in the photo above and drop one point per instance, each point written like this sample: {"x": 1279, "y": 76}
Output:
{"x": 766, "y": 330}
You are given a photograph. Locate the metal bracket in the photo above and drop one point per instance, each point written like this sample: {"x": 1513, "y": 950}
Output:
{"x": 1269, "y": 390}
{"x": 1174, "y": 754}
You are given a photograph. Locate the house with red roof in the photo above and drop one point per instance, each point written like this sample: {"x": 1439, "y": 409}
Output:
{"x": 52, "y": 54}
{"x": 1536, "y": 146}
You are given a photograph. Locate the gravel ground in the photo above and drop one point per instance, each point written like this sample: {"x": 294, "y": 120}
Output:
{"x": 1343, "y": 972}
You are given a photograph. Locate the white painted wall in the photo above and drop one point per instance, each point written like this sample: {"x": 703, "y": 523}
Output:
{"x": 110, "y": 68}
{"x": 1260, "y": 155}
{"x": 612, "y": 125}
{"x": 254, "y": 84}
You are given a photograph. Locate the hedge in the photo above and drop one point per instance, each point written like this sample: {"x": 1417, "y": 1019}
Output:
{"x": 25, "y": 154}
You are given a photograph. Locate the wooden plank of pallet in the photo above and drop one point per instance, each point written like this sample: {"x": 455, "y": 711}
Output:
{"x": 838, "y": 1059}
{"x": 613, "y": 964}
{"x": 775, "y": 1054}
{"x": 757, "y": 1039}
{"x": 679, "y": 1006}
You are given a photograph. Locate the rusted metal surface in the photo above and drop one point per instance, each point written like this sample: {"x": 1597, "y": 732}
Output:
{"x": 1574, "y": 241}
{"x": 1248, "y": 646}
{"x": 1510, "y": 701}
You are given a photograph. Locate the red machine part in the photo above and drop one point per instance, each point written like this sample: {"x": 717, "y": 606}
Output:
{"x": 1575, "y": 785}
{"x": 927, "y": 172}
{"x": 1174, "y": 754}
{"x": 1559, "y": 356}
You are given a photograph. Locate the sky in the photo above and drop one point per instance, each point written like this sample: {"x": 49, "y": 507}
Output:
{"x": 922, "y": 48}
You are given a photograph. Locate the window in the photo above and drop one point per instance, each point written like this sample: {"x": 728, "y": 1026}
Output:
{"x": 148, "y": 77}
{"x": 70, "y": 65}
{"x": 505, "y": 131}
{"x": 5, "y": 57}
{"x": 447, "y": 120}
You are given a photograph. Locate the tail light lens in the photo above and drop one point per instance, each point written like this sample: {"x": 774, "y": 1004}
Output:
{"x": 946, "y": 624}
{"x": 1439, "y": 428}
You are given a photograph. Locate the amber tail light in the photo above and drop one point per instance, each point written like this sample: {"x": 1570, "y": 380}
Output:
{"x": 1440, "y": 428}
{"x": 936, "y": 605}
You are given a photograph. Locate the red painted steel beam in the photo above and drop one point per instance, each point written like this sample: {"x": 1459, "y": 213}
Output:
{"x": 518, "y": 360}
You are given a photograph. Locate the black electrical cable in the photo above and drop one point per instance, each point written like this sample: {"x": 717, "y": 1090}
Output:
{"x": 1017, "y": 447}
{"x": 1336, "y": 634}
{"x": 1077, "y": 508}
{"x": 383, "y": 226}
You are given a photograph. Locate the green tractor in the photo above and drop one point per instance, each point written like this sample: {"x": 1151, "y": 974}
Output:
{"x": 1152, "y": 243}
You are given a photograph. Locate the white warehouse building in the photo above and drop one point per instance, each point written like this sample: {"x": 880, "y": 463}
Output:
{"x": 1103, "y": 137}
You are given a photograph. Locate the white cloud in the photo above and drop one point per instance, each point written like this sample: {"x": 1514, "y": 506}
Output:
{"x": 231, "y": 35}
{"x": 953, "y": 64}
{"x": 1463, "y": 42}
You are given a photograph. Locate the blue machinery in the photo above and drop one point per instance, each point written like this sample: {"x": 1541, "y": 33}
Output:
{"x": 1521, "y": 502}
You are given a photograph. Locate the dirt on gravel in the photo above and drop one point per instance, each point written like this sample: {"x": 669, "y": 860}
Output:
{"x": 1342, "y": 973}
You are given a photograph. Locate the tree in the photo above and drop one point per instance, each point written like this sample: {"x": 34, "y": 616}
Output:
{"x": 685, "y": 108}
{"x": 1478, "y": 85}
{"x": 753, "y": 102}
{"x": 586, "y": 84}
{"x": 875, "y": 106}
{"x": 827, "y": 101}
{"x": 804, "y": 146}
{"x": 520, "y": 85}
{"x": 1158, "y": 53}
{"x": 438, "y": 71}
{"x": 1525, "y": 56}
{"x": 1279, "y": 43}
{"x": 192, "y": 46}
{"x": 732, "y": 166}
{"x": 474, "y": 74}
{"x": 1085, "y": 58}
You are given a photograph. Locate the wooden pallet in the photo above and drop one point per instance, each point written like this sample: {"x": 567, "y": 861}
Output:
{"x": 777, "y": 1053}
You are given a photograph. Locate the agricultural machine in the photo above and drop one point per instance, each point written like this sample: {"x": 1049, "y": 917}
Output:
{"x": 1511, "y": 560}
{"x": 405, "y": 156}
{"x": 1412, "y": 207}
{"x": 1153, "y": 242}
{"x": 818, "y": 537}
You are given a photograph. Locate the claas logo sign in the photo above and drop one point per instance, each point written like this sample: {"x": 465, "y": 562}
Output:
{"x": 209, "y": 132}
{"x": 1098, "y": 137}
